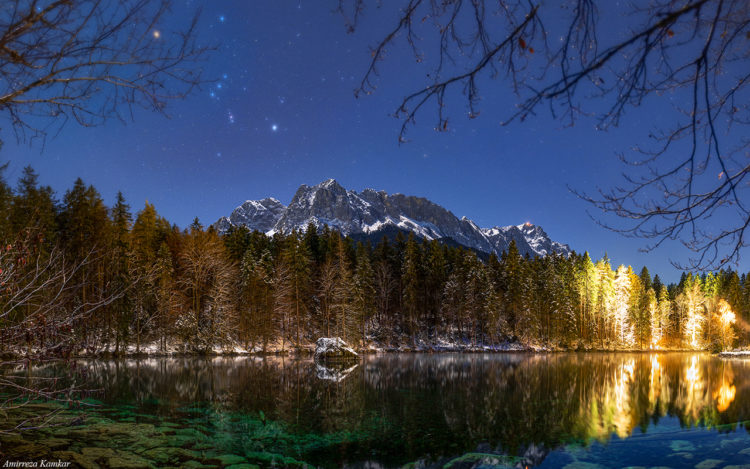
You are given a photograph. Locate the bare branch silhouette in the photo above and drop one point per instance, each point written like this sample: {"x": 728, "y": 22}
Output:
{"x": 91, "y": 60}
{"x": 691, "y": 56}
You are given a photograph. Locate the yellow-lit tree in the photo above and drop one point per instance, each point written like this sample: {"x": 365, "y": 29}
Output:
{"x": 691, "y": 305}
{"x": 726, "y": 324}
{"x": 622, "y": 303}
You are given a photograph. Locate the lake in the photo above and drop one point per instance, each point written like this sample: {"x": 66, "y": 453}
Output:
{"x": 575, "y": 410}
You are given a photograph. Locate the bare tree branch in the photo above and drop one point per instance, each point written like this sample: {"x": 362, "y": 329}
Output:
{"x": 90, "y": 61}
{"x": 690, "y": 55}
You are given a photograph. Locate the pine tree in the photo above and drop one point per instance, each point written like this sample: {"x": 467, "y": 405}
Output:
{"x": 327, "y": 283}
{"x": 297, "y": 259}
{"x": 434, "y": 278}
{"x": 664, "y": 315}
{"x": 385, "y": 286}
{"x": 364, "y": 289}
{"x": 347, "y": 318}
{"x": 257, "y": 270}
{"x": 207, "y": 280}
{"x": 84, "y": 228}
{"x": 34, "y": 210}
{"x": 164, "y": 293}
{"x": 6, "y": 206}
{"x": 690, "y": 304}
{"x": 237, "y": 241}
{"x": 410, "y": 286}
{"x": 587, "y": 281}
{"x": 120, "y": 269}
{"x": 605, "y": 300}
{"x": 513, "y": 287}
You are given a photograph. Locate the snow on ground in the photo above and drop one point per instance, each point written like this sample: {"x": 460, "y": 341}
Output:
{"x": 735, "y": 353}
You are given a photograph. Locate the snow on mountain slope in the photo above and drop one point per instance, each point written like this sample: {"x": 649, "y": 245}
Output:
{"x": 371, "y": 212}
{"x": 259, "y": 215}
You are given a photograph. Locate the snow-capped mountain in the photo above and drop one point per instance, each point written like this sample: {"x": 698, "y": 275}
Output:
{"x": 259, "y": 215}
{"x": 373, "y": 213}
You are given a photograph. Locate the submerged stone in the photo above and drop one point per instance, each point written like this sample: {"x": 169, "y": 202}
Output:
{"x": 681, "y": 445}
{"x": 243, "y": 466}
{"x": 583, "y": 465}
{"x": 99, "y": 453}
{"x": 226, "y": 459}
{"x": 482, "y": 460}
{"x": 197, "y": 465}
{"x": 76, "y": 458}
{"x": 708, "y": 463}
{"x": 26, "y": 450}
{"x": 170, "y": 455}
{"x": 56, "y": 443}
{"x": 129, "y": 461}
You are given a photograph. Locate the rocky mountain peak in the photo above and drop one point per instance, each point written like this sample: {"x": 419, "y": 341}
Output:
{"x": 372, "y": 214}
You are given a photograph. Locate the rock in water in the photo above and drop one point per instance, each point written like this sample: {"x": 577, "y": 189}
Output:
{"x": 334, "y": 349}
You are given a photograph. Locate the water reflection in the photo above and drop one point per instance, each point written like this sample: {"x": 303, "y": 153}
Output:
{"x": 401, "y": 408}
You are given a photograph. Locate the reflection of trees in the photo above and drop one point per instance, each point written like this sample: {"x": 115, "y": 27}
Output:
{"x": 408, "y": 407}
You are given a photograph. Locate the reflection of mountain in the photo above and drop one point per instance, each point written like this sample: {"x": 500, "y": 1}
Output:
{"x": 519, "y": 404}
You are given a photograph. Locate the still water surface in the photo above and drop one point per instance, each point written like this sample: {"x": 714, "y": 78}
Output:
{"x": 444, "y": 410}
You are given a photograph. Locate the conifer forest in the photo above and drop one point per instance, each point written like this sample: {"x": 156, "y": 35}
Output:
{"x": 79, "y": 277}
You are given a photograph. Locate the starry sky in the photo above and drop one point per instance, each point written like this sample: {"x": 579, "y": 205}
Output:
{"x": 280, "y": 111}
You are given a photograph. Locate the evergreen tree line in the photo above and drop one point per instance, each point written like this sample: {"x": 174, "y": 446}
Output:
{"x": 78, "y": 275}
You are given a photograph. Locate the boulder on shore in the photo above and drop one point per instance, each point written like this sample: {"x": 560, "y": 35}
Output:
{"x": 334, "y": 349}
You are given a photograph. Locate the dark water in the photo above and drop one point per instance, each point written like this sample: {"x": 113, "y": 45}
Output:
{"x": 444, "y": 410}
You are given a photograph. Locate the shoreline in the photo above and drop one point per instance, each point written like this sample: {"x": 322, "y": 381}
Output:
{"x": 308, "y": 351}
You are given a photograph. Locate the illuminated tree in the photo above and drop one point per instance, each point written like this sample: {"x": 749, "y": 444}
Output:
{"x": 691, "y": 305}
{"x": 664, "y": 313}
{"x": 726, "y": 322}
{"x": 586, "y": 284}
{"x": 656, "y": 333}
{"x": 605, "y": 298}
{"x": 622, "y": 306}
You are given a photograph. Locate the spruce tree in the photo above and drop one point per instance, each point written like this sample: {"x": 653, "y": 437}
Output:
{"x": 364, "y": 289}
{"x": 410, "y": 286}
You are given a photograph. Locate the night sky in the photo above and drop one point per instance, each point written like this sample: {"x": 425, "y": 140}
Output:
{"x": 282, "y": 112}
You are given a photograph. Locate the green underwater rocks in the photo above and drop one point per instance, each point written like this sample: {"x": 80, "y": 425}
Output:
{"x": 115, "y": 438}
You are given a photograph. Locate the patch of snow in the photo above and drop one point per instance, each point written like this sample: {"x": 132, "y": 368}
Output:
{"x": 333, "y": 347}
{"x": 735, "y": 353}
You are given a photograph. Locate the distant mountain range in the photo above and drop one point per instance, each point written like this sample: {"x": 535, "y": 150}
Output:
{"x": 372, "y": 214}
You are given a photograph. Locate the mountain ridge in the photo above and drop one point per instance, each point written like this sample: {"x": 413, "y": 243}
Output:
{"x": 370, "y": 212}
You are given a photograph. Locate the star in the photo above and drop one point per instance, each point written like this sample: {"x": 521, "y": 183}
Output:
{"x": 222, "y": 19}
{"x": 274, "y": 127}
{"x": 157, "y": 34}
